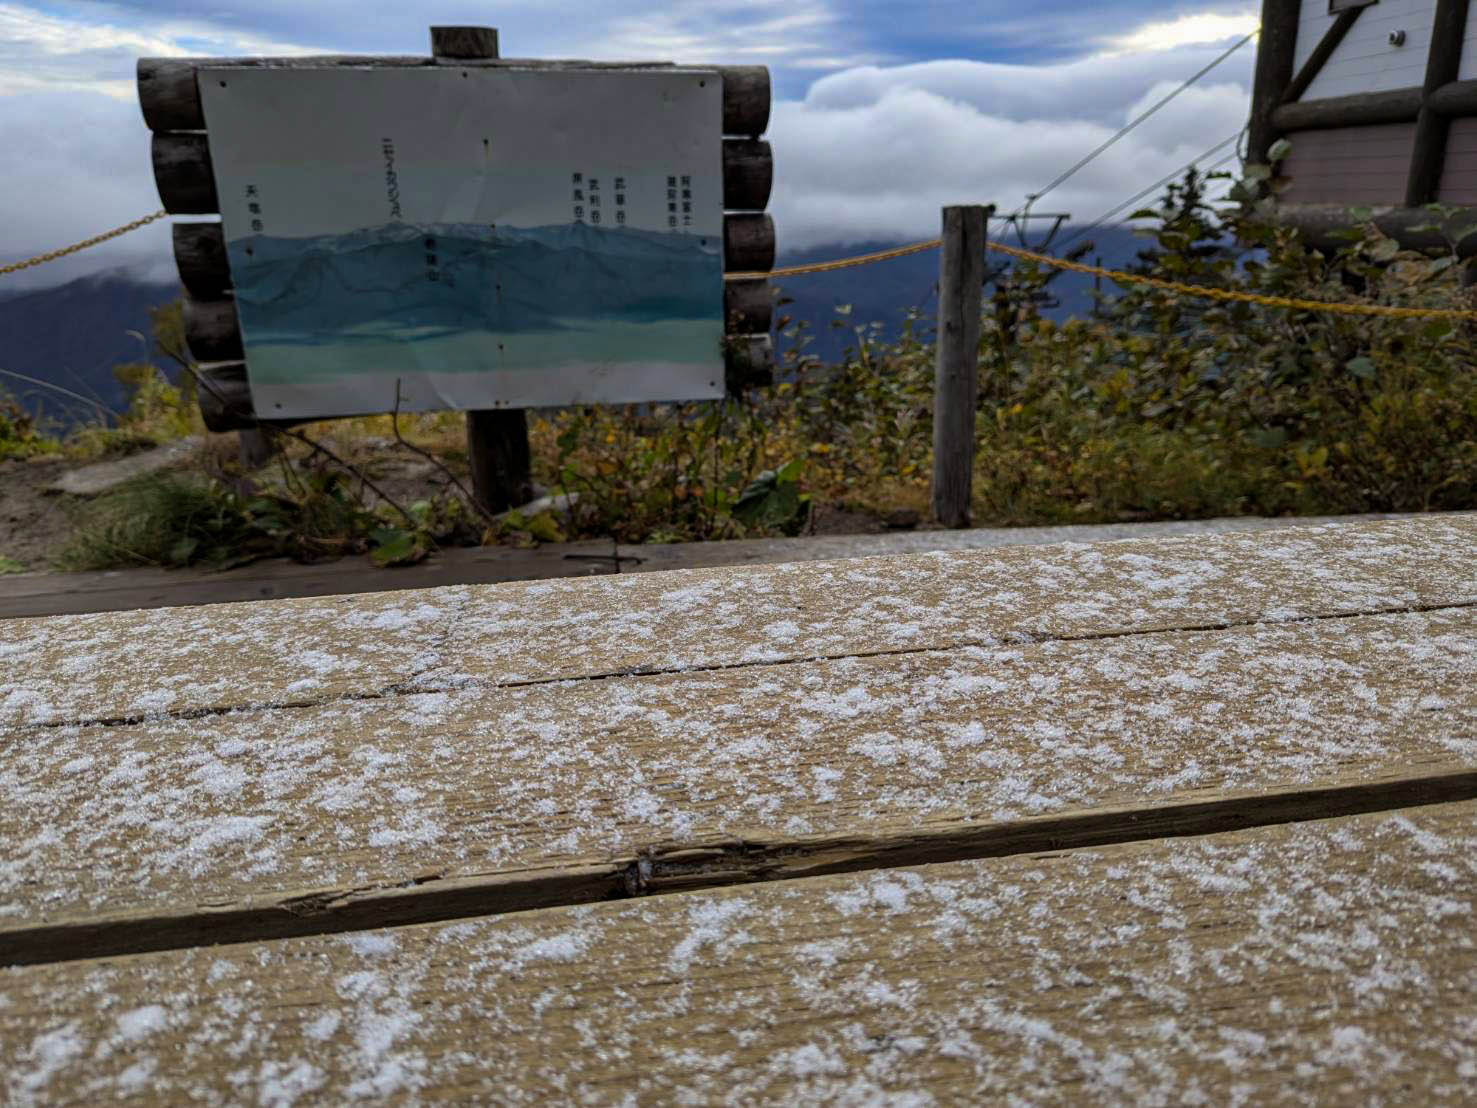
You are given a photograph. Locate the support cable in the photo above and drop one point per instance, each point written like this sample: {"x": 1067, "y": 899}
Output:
{"x": 1136, "y": 197}
{"x": 1062, "y": 177}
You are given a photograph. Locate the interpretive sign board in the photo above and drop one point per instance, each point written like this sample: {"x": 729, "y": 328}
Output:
{"x": 476, "y": 237}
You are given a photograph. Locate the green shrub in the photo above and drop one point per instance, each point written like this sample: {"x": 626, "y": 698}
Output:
{"x": 19, "y": 436}
{"x": 1171, "y": 406}
{"x": 162, "y": 520}
{"x": 157, "y": 412}
{"x": 670, "y": 472}
{"x": 180, "y": 519}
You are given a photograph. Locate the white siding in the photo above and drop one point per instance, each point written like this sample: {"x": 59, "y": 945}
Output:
{"x": 1469, "y": 48}
{"x": 1365, "y": 61}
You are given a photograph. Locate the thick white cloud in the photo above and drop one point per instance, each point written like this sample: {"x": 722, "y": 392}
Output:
{"x": 40, "y": 50}
{"x": 873, "y": 153}
{"x": 78, "y": 165}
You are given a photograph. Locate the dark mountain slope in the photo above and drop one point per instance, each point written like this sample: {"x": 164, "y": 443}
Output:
{"x": 72, "y": 336}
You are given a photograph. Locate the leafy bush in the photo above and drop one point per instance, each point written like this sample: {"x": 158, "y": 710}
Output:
{"x": 1170, "y": 406}
{"x": 19, "y": 436}
{"x": 180, "y": 519}
{"x": 163, "y": 520}
{"x": 157, "y": 412}
{"x": 662, "y": 473}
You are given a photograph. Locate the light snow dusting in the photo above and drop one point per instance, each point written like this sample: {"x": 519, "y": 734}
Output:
{"x": 476, "y": 779}
{"x": 239, "y": 753}
{"x": 1311, "y": 959}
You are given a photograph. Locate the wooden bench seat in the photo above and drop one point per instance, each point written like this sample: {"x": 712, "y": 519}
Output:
{"x": 1141, "y": 820}
{"x": 1329, "y": 961}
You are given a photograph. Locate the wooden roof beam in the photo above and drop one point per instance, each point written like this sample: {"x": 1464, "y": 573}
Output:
{"x": 1321, "y": 53}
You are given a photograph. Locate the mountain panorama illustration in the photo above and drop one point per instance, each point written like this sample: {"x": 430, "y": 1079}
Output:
{"x": 467, "y": 298}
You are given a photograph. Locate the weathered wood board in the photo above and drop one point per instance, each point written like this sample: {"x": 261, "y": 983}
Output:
{"x": 1328, "y": 962}
{"x": 478, "y": 798}
{"x": 33, "y": 595}
{"x": 139, "y": 664}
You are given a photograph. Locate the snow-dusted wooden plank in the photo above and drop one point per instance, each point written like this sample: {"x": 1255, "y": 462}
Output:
{"x": 1331, "y": 962}
{"x": 113, "y": 665}
{"x": 119, "y": 665}
{"x": 479, "y": 799}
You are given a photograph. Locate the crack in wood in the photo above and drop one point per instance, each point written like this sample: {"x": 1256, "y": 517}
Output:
{"x": 684, "y": 867}
{"x": 407, "y": 686}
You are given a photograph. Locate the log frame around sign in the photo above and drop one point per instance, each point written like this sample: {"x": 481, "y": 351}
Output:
{"x": 748, "y": 247}
{"x": 185, "y": 177}
{"x": 169, "y": 94}
{"x": 214, "y": 333}
{"x": 170, "y": 99}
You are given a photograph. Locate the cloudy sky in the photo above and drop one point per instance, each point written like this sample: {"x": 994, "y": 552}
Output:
{"x": 884, "y": 111}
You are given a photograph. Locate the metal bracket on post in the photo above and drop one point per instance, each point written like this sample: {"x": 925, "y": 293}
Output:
{"x": 956, "y": 372}
{"x": 497, "y": 439}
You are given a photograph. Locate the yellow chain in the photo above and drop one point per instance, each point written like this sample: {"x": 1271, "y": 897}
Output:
{"x": 53, "y": 255}
{"x": 1232, "y": 294}
{"x": 843, "y": 263}
{"x": 1128, "y": 278}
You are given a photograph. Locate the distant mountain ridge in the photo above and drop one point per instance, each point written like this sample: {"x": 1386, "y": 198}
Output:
{"x": 416, "y": 282}
{"x": 72, "y": 336}
{"x": 885, "y": 291}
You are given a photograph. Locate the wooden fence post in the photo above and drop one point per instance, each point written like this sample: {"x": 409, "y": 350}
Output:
{"x": 497, "y": 438}
{"x": 956, "y": 372}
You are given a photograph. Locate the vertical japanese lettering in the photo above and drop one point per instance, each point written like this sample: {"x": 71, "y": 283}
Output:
{"x": 392, "y": 178}
{"x": 254, "y": 208}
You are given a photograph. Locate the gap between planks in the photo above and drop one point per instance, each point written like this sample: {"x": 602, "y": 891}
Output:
{"x": 664, "y": 870}
{"x": 411, "y": 686}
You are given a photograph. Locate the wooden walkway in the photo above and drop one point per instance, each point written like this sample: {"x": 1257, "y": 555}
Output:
{"x": 1164, "y": 821}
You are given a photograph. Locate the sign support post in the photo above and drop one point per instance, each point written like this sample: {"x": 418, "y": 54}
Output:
{"x": 497, "y": 438}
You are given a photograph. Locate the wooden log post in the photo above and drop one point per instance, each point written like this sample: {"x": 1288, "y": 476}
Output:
{"x": 1275, "y": 59}
{"x": 169, "y": 92}
{"x": 956, "y": 371}
{"x": 1443, "y": 65}
{"x": 1325, "y": 226}
{"x": 497, "y": 438}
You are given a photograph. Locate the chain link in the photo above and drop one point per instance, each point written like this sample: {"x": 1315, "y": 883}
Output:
{"x": 53, "y": 255}
{"x": 842, "y": 263}
{"x": 1233, "y": 294}
{"x": 1131, "y": 279}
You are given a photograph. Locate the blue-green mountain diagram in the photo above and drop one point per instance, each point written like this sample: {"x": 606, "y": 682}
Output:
{"x": 421, "y": 282}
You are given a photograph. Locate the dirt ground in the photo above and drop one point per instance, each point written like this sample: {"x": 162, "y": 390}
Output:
{"x": 35, "y": 523}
